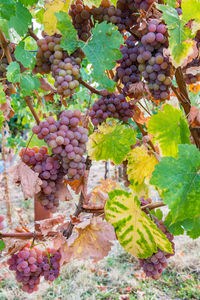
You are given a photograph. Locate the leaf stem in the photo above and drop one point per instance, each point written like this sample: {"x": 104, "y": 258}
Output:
{"x": 30, "y": 105}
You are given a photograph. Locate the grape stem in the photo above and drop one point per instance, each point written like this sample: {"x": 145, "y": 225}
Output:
{"x": 32, "y": 34}
{"x": 5, "y": 47}
{"x": 91, "y": 88}
{"x": 30, "y": 105}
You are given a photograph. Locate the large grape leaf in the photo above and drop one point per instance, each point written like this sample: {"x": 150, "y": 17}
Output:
{"x": 170, "y": 129}
{"x": 7, "y": 9}
{"x": 28, "y": 83}
{"x": 49, "y": 18}
{"x": 111, "y": 142}
{"x": 191, "y": 10}
{"x": 179, "y": 180}
{"x": 29, "y": 2}
{"x": 170, "y": 2}
{"x": 191, "y": 226}
{"x": 140, "y": 166}
{"x": 102, "y": 51}
{"x": 1, "y": 119}
{"x": 2, "y": 94}
{"x": 135, "y": 230}
{"x": 25, "y": 57}
{"x": 13, "y": 72}
{"x": 21, "y": 20}
{"x": 69, "y": 40}
{"x": 180, "y": 45}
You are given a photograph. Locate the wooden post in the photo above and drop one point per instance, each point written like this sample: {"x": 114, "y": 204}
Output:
{"x": 40, "y": 213}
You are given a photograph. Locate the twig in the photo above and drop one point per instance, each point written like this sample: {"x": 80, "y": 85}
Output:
{"x": 144, "y": 108}
{"x": 153, "y": 205}
{"x": 26, "y": 235}
{"x": 89, "y": 87}
{"x": 32, "y": 34}
{"x": 79, "y": 207}
{"x": 145, "y": 133}
{"x": 5, "y": 177}
{"x": 184, "y": 100}
{"x": 28, "y": 101}
{"x": 5, "y": 47}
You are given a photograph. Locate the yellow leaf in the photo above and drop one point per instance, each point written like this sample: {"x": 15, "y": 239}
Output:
{"x": 135, "y": 231}
{"x": 49, "y": 19}
{"x": 140, "y": 165}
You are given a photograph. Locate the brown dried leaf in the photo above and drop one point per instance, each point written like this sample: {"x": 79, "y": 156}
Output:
{"x": 79, "y": 185}
{"x": 7, "y": 110}
{"x": 14, "y": 245}
{"x": 47, "y": 225}
{"x": 93, "y": 241}
{"x": 29, "y": 180}
{"x": 46, "y": 86}
{"x": 138, "y": 116}
{"x": 138, "y": 90}
{"x": 194, "y": 117}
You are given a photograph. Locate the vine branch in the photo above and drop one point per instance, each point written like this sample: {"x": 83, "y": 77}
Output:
{"x": 5, "y": 47}
{"x": 30, "y": 105}
{"x": 32, "y": 34}
{"x": 91, "y": 88}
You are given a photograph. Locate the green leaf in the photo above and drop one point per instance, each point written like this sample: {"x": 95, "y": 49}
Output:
{"x": 21, "y": 20}
{"x": 13, "y": 72}
{"x": 2, "y": 94}
{"x": 170, "y": 129}
{"x": 69, "y": 40}
{"x": 29, "y": 2}
{"x": 2, "y": 245}
{"x": 23, "y": 56}
{"x": 36, "y": 142}
{"x": 7, "y": 9}
{"x": 191, "y": 10}
{"x": 28, "y": 84}
{"x": 194, "y": 228}
{"x": 158, "y": 214}
{"x": 179, "y": 180}
{"x": 111, "y": 142}
{"x": 102, "y": 50}
{"x": 175, "y": 228}
{"x": 1, "y": 119}
{"x": 178, "y": 34}
{"x": 135, "y": 230}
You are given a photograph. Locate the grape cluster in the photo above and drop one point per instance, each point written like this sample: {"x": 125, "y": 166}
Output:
{"x": 143, "y": 4}
{"x": 155, "y": 67}
{"x": 3, "y": 69}
{"x": 122, "y": 16}
{"x": 1, "y": 222}
{"x": 65, "y": 69}
{"x": 31, "y": 263}
{"x": 111, "y": 106}
{"x": 128, "y": 71}
{"x": 153, "y": 266}
{"x": 67, "y": 140}
{"x": 81, "y": 19}
{"x": 50, "y": 172}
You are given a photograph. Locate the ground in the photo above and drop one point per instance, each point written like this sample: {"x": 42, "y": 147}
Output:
{"x": 116, "y": 277}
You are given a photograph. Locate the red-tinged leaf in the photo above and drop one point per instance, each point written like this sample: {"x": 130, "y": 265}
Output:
{"x": 75, "y": 220}
{"x": 194, "y": 117}
{"x": 27, "y": 178}
{"x": 46, "y": 86}
{"x": 102, "y": 288}
{"x": 49, "y": 97}
{"x": 79, "y": 185}
{"x": 7, "y": 110}
{"x": 92, "y": 242}
{"x": 47, "y": 225}
{"x": 139, "y": 117}
{"x": 194, "y": 88}
{"x": 14, "y": 245}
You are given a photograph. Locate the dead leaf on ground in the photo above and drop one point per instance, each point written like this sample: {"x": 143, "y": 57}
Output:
{"x": 92, "y": 242}
{"x": 47, "y": 225}
{"x": 29, "y": 180}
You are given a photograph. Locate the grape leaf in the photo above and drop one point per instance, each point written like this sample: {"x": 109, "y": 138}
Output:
{"x": 170, "y": 129}
{"x": 111, "y": 142}
{"x": 2, "y": 245}
{"x": 135, "y": 230}
{"x": 93, "y": 241}
{"x": 29, "y": 2}
{"x": 69, "y": 40}
{"x": 13, "y": 72}
{"x": 7, "y": 9}
{"x": 170, "y": 2}
{"x": 102, "y": 51}
{"x": 191, "y": 10}
{"x": 26, "y": 58}
{"x": 191, "y": 226}
{"x": 179, "y": 180}
{"x": 49, "y": 18}
{"x": 2, "y": 94}
{"x": 1, "y": 119}
{"x": 180, "y": 45}
{"x": 158, "y": 214}
{"x": 21, "y": 20}
{"x": 140, "y": 165}
{"x": 28, "y": 83}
